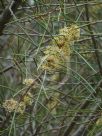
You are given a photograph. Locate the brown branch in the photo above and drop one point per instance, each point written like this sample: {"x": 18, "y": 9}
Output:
{"x": 83, "y": 129}
{"x": 6, "y": 15}
{"x": 93, "y": 38}
{"x": 83, "y": 106}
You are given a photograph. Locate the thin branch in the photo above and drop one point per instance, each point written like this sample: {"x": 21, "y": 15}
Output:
{"x": 6, "y": 15}
{"x": 93, "y": 39}
{"x": 83, "y": 105}
{"x": 91, "y": 119}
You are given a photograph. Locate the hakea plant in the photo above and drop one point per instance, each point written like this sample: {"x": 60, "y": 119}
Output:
{"x": 55, "y": 57}
{"x": 59, "y": 52}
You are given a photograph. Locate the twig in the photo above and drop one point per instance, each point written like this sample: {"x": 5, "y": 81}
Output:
{"x": 6, "y": 15}
{"x": 93, "y": 39}
{"x": 83, "y": 105}
{"x": 91, "y": 119}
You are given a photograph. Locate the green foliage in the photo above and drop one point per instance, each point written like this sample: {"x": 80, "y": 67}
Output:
{"x": 53, "y": 68}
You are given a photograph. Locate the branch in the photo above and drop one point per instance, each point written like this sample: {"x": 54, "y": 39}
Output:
{"x": 6, "y": 15}
{"x": 83, "y": 106}
{"x": 93, "y": 38}
{"x": 83, "y": 129}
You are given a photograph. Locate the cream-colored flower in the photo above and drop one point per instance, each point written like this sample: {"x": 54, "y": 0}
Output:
{"x": 28, "y": 81}
{"x": 54, "y": 59}
{"x": 28, "y": 99}
{"x": 51, "y": 63}
{"x": 21, "y": 107}
{"x": 67, "y": 36}
{"x": 52, "y": 50}
{"x": 59, "y": 53}
{"x": 71, "y": 33}
{"x": 10, "y": 105}
{"x": 59, "y": 41}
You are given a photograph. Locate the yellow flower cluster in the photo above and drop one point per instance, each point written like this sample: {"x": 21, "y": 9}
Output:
{"x": 28, "y": 81}
{"x": 12, "y": 105}
{"x": 20, "y": 108}
{"x": 59, "y": 53}
{"x": 52, "y": 58}
{"x": 28, "y": 99}
{"x": 67, "y": 36}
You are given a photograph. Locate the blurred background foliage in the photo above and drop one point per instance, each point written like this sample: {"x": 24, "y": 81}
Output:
{"x": 67, "y": 102}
